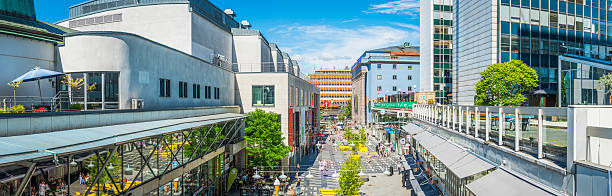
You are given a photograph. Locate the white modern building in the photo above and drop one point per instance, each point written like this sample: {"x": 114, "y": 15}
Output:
{"x": 26, "y": 43}
{"x": 253, "y": 51}
{"x": 295, "y": 99}
{"x": 195, "y": 27}
{"x": 133, "y": 68}
{"x": 436, "y": 37}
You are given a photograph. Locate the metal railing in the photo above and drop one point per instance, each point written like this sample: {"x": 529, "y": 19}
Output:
{"x": 58, "y": 103}
{"x": 538, "y": 131}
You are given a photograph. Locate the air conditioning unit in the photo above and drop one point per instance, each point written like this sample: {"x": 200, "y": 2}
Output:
{"x": 137, "y": 103}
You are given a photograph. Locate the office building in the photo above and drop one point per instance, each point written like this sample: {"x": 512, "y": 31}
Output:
{"x": 263, "y": 82}
{"x": 436, "y": 48}
{"x": 380, "y": 73}
{"x": 536, "y": 32}
{"x": 336, "y": 89}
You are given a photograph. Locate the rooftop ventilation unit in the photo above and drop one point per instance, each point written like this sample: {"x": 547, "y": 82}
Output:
{"x": 246, "y": 24}
{"x": 230, "y": 12}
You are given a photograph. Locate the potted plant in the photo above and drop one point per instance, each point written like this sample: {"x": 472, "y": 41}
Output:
{"x": 15, "y": 85}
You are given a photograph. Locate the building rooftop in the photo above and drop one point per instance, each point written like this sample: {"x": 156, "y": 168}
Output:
{"x": 401, "y": 48}
{"x": 19, "y": 23}
{"x": 203, "y": 7}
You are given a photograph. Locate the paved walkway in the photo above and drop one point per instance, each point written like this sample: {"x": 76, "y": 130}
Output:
{"x": 384, "y": 185}
{"x": 379, "y": 183}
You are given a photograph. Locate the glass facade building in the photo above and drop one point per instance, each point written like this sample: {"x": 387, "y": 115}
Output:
{"x": 442, "y": 49}
{"x": 580, "y": 81}
{"x": 539, "y": 31}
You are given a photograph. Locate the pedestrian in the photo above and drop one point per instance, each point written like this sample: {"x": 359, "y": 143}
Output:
{"x": 41, "y": 188}
{"x": 399, "y": 166}
{"x": 403, "y": 179}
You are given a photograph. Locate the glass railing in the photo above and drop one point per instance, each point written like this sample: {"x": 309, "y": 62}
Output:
{"x": 521, "y": 127}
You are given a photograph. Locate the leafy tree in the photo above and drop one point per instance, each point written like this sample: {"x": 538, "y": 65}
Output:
{"x": 265, "y": 139}
{"x": 104, "y": 178}
{"x": 505, "y": 84}
{"x": 606, "y": 82}
{"x": 350, "y": 183}
{"x": 345, "y": 111}
{"x": 206, "y": 134}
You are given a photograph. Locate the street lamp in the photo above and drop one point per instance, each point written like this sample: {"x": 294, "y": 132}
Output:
{"x": 256, "y": 176}
{"x": 336, "y": 174}
{"x": 283, "y": 176}
{"x": 90, "y": 165}
{"x": 361, "y": 174}
{"x": 73, "y": 163}
{"x": 110, "y": 167}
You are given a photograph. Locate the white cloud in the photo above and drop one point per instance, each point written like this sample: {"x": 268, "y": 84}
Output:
{"x": 324, "y": 46}
{"x": 402, "y": 7}
{"x": 351, "y": 20}
{"x": 406, "y": 25}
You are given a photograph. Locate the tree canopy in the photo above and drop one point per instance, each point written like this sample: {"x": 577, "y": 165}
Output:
{"x": 265, "y": 139}
{"x": 349, "y": 179}
{"x": 345, "y": 111}
{"x": 506, "y": 84}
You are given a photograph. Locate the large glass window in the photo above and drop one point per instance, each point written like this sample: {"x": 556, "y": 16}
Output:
{"x": 263, "y": 95}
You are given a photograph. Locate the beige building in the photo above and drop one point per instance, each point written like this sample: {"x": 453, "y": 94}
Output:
{"x": 296, "y": 100}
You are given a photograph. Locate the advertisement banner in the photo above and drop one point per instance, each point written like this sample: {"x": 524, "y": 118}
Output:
{"x": 395, "y": 105}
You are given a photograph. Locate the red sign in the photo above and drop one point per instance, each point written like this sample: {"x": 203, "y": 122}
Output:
{"x": 326, "y": 103}
{"x": 290, "y": 131}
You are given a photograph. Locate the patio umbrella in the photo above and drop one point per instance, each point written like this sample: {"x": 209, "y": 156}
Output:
{"x": 35, "y": 75}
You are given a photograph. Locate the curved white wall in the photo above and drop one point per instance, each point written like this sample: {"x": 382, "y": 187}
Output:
{"x": 141, "y": 64}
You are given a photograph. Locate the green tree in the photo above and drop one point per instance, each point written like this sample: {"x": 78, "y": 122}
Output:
{"x": 506, "y": 84}
{"x": 606, "y": 82}
{"x": 350, "y": 182}
{"x": 345, "y": 111}
{"x": 210, "y": 135}
{"x": 115, "y": 161}
{"x": 265, "y": 139}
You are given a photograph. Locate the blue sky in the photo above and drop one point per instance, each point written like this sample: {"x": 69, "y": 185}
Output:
{"x": 318, "y": 33}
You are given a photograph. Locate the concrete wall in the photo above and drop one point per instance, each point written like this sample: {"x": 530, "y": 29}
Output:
{"x": 249, "y": 54}
{"x": 476, "y": 46}
{"x": 168, "y": 24}
{"x": 19, "y": 55}
{"x": 208, "y": 40}
{"x": 32, "y": 123}
{"x": 141, "y": 64}
{"x": 359, "y": 99}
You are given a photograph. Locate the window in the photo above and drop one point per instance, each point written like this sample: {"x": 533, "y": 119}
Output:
{"x": 409, "y": 67}
{"x": 394, "y": 77}
{"x": 379, "y": 77}
{"x": 378, "y": 66}
{"x": 394, "y": 88}
{"x": 164, "y": 87}
{"x": 394, "y": 66}
{"x": 182, "y": 89}
{"x": 217, "y": 93}
{"x": 409, "y": 77}
{"x": 207, "y": 92}
{"x": 263, "y": 95}
{"x": 196, "y": 91}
